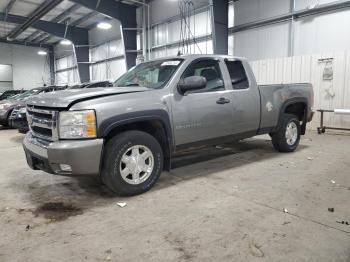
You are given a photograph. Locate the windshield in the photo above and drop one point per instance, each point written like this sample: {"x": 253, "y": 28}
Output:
{"x": 28, "y": 93}
{"x": 155, "y": 74}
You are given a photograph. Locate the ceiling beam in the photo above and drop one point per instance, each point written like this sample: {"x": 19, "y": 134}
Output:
{"x": 70, "y": 10}
{"x": 118, "y": 10}
{"x": 9, "y": 6}
{"x": 41, "y": 35}
{"x": 74, "y": 23}
{"x": 55, "y": 29}
{"x": 84, "y": 18}
{"x": 35, "y": 16}
{"x": 17, "y": 42}
{"x": 32, "y": 36}
{"x": 57, "y": 19}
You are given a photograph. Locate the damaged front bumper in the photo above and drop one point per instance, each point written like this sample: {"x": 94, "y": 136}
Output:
{"x": 66, "y": 157}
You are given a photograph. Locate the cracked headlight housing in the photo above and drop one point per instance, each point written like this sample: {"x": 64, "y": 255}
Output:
{"x": 77, "y": 124}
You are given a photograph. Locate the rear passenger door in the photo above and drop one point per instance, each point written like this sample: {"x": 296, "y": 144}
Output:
{"x": 206, "y": 113}
{"x": 245, "y": 97}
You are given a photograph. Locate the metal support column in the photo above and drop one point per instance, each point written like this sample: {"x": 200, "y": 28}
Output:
{"x": 219, "y": 18}
{"x": 82, "y": 58}
{"x": 291, "y": 29}
{"x": 52, "y": 65}
{"x": 144, "y": 31}
{"x": 80, "y": 41}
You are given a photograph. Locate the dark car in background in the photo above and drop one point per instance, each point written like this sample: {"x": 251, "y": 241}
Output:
{"x": 18, "y": 118}
{"x": 7, "y": 106}
{"x": 10, "y": 93}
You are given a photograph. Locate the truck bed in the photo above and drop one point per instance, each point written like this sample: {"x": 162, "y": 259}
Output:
{"x": 273, "y": 98}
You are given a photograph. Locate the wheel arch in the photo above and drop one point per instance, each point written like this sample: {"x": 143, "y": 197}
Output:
{"x": 298, "y": 107}
{"x": 154, "y": 122}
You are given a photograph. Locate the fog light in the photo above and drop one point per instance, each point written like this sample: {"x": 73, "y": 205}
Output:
{"x": 66, "y": 168}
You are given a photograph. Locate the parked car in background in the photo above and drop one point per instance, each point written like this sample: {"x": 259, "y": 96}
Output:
{"x": 18, "y": 118}
{"x": 10, "y": 93}
{"x": 7, "y": 106}
{"x": 92, "y": 85}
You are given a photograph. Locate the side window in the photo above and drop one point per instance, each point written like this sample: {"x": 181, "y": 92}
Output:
{"x": 210, "y": 70}
{"x": 238, "y": 76}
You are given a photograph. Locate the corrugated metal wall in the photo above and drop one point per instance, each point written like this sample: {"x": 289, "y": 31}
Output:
{"x": 329, "y": 94}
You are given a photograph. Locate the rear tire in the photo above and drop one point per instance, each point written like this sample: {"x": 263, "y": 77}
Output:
{"x": 287, "y": 138}
{"x": 132, "y": 163}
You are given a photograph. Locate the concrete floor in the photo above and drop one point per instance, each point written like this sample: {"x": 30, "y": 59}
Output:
{"x": 219, "y": 204}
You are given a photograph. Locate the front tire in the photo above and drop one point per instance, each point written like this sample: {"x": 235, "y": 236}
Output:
{"x": 132, "y": 163}
{"x": 287, "y": 138}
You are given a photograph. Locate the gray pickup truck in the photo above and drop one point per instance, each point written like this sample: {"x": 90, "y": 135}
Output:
{"x": 127, "y": 134}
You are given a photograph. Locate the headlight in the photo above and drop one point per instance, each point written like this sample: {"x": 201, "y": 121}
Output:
{"x": 77, "y": 124}
{"x": 22, "y": 110}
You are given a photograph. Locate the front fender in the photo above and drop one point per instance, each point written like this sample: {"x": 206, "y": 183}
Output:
{"x": 107, "y": 125}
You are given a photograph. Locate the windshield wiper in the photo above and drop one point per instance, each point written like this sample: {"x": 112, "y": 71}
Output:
{"x": 132, "y": 84}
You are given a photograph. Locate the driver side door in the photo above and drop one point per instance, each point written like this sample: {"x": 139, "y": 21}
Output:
{"x": 206, "y": 113}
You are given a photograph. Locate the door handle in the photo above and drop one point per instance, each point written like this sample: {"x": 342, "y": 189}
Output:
{"x": 222, "y": 101}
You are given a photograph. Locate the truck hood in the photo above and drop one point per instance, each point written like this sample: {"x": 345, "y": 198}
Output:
{"x": 64, "y": 99}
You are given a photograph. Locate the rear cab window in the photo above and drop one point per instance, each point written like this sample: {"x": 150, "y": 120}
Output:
{"x": 238, "y": 74}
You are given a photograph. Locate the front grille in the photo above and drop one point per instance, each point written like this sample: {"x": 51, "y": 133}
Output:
{"x": 42, "y": 131}
{"x": 42, "y": 115}
{"x": 42, "y": 122}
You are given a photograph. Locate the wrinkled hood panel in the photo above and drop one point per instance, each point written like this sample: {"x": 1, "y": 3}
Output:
{"x": 65, "y": 98}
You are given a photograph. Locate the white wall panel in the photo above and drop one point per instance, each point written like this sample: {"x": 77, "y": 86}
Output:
{"x": 104, "y": 70}
{"x": 231, "y": 15}
{"x": 116, "y": 48}
{"x": 62, "y": 78}
{"x": 5, "y": 73}
{"x": 262, "y": 43}
{"x": 329, "y": 94}
{"x": 160, "y": 34}
{"x": 252, "y": 10}
{"x": 170, "y": 32}
{"x": 303, "y": 4}
{"x": 99, "y": 72}
{"x": 325, "y": 33}
{"x": 98, "y": 36}
{"x": 99, "y": 53}
{"x": 165, "y": 9}
{"x": 203, "y": 47}
{"x": 29, "y": 69}
{"x": 116, "y": 68}
{"x": 231, "y": 44}
{"x": 61, "y": 63}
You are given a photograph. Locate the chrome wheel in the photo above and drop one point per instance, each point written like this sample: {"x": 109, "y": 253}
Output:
{"x": 291, "y": 133}
{"x": 136, "y": 164}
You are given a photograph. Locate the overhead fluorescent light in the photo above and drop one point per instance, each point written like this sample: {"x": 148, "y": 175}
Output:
{"x": 41, "y": 52}
{"x": 104, "y": 25}
{"x": 65, "y": 42}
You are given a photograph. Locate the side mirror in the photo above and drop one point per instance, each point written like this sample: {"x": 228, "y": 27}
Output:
{"x": 191, "y": 83}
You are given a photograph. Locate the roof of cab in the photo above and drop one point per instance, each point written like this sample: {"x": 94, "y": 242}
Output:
{"x": 195, "y": 56}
